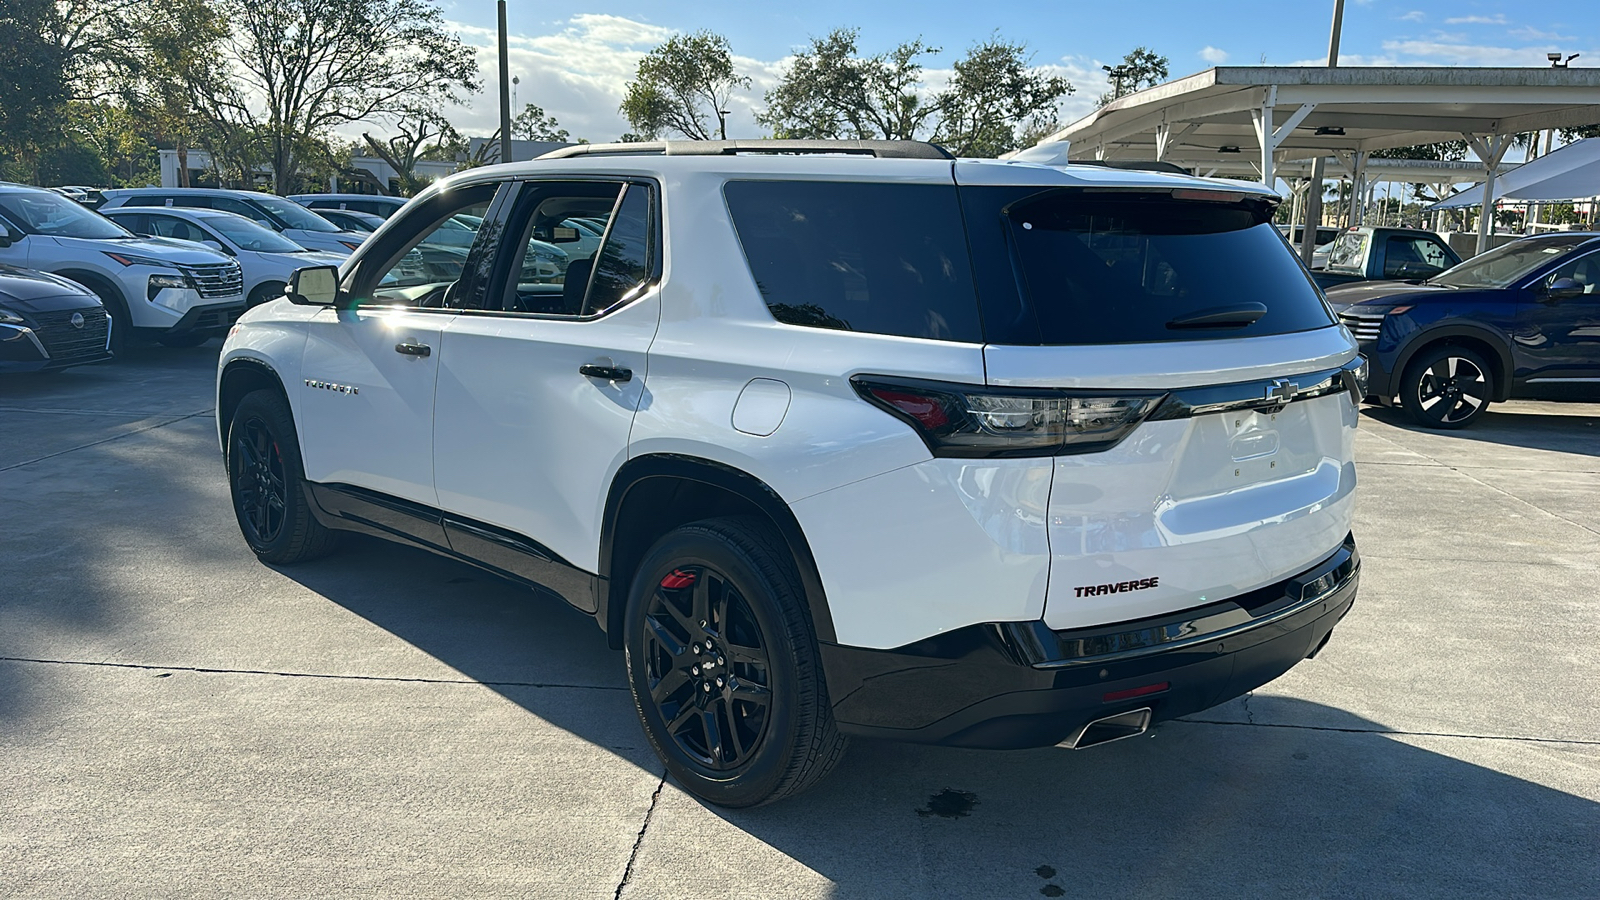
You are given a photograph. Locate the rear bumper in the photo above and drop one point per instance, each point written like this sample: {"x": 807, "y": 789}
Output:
{"x": 1013, "y": 685}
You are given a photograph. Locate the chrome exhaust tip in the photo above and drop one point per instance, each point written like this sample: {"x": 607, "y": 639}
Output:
{"x": 1112, "y": 728}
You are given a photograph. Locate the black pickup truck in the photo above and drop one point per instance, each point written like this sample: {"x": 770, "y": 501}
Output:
{"x": 1369, "y": 253}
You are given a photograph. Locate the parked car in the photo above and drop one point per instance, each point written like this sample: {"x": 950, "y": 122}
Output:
{"x": 47, "y": 322}
{"x": 1368, "y": 253}
{"x": 1520, "y": 321}
{"x": 88, "y": 196}
{"x": 372, "y": 204}
{"x": 1326, "y": 234}
{"x": 290, "y": 219}
{"x": 351, "y": 220}
{"x": 818, "y": 457}
{"x": 174, "y": 292}
{"x": 266, "y": 257}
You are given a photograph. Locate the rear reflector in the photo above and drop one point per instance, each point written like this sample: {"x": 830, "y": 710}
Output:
{"x": 1130, "y": 693}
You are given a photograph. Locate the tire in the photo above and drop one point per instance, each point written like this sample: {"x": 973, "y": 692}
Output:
{"x": 724, "y": 666}
{"x": 1446, "y": 387}
{"x": 184, "y": 339}
{"x": 116, "y": 307}
{"x": 267, "y": 483}
{"x": 265, "y": 291}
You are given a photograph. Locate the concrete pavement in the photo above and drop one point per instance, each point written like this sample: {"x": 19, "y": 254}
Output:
{"x": 178, "y": 720}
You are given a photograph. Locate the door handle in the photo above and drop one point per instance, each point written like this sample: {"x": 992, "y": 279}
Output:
{"x": 410, "y": 348}
{"x": 609, "y": 373}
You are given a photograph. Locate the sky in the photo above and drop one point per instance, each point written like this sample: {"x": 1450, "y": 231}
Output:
{"x": 575, "y": 64}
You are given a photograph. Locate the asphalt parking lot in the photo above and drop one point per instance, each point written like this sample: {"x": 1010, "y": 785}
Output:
{"x": 177, "y": 719}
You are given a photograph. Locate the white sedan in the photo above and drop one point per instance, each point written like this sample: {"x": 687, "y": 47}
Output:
{"x": 267, "y": 258}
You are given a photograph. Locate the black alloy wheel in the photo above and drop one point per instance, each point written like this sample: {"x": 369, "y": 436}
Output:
{"x": 267, "y": 481}
{"x": 706, "y": 662}
{"x": 724, "y": 666}
{"x": 258, "y": 483}
{"x": 1448, "y": 387}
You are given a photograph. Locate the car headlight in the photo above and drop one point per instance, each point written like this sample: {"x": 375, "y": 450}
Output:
{"x": 160, "y": 282}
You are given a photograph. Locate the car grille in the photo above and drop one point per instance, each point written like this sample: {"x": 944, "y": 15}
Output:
{"x": 1365, "y": 328}
{"x": 217, "y": 318}
{"x": 224, "y": 280}
{"x": 64, "y": 342}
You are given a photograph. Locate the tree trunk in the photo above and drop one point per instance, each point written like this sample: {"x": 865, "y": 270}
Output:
{"x": 183, "y": 162}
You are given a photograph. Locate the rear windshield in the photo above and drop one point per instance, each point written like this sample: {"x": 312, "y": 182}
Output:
{"x": 1349, "y": 252}
{"x": 882, "y": 258}
{"x": 1111, "y": 270}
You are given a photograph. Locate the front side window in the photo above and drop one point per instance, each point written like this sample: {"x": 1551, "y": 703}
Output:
{"x": 415, "y": 267}
{"x": 1585, "y": 270}
{"x": 1408, "y": 256}
{"x": 563, "y": 264}
{"x": 178, "y": 229}
{"x": 52, "y": 215}
{"x": 879, "y": 258}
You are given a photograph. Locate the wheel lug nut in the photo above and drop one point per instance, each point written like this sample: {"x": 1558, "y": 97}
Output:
{"x": 704, "y": 623}
{"x": 719, "y": 682}
{"x": 694, "y": 670}
{"x": 697, "y": 649}
{"x": 706, "y": 688}
{"x": 719, "y": 661}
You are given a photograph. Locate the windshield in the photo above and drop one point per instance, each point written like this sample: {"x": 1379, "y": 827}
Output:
{"x": 250, "y": 236}
{"x": 1509, "y": 263}
{"x": 53, "y": 215}
{"x": 293, "y": 215}
{"x": 1349, "y": 251}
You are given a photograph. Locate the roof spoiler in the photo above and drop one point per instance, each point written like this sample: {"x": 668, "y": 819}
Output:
{"x": 879, "y": 149}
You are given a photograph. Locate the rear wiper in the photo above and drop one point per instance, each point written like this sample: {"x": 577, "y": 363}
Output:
{"x": 1221, "y": 317}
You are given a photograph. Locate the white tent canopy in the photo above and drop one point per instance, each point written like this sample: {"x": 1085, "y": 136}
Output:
{"x": 1569, "y": 173}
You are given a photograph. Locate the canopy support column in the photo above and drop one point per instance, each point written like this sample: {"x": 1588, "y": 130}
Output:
{"x": 1269, "y": 137}
{"x": 1491, "y": 154}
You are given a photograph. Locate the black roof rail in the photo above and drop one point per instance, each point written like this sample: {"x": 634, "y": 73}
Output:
{"x": 1138, "y": 165}
{"x": 879, "y": 149}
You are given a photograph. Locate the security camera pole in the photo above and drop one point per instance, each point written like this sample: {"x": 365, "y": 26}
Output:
{"x": 1308, "y": 238}
{"x": 505, "y": 90}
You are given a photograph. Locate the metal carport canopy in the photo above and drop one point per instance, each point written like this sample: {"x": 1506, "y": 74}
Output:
{"x": 1274, "y": 114}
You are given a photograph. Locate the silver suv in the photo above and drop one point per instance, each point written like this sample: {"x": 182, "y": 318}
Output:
{"x": 834, "y": 438}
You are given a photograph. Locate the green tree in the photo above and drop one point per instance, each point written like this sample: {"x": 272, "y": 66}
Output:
{"x": 992, "y": 97}
{"x": 33, "y": 85}
{"x": 683, "y": 86}
{"x": 303, "y": 67}
{"x": 532, "y": 124}
{"x": 1139, "y": 69}
{"x": 832, "y": 92}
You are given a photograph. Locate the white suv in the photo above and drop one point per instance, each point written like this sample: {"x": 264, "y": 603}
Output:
{"x": 835, "y": 438}
{"x": 175, "y": 292}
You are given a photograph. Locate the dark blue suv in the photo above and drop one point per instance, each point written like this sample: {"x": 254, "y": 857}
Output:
{"x": 1521, "y": 321}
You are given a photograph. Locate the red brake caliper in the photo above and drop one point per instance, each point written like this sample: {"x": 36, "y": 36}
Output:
{"x": 678, "y": 579}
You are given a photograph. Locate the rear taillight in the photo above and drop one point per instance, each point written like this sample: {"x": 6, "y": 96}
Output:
{"x": 977, "y": 421}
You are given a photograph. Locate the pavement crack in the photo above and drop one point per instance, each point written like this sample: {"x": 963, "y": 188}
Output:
{"x": 115, "y": 437}
{"x": 399, "y": 679}
{"x": 633, "y": 856}
{"x": 1396, "y": 732}
{"x": 1250, "y": 717}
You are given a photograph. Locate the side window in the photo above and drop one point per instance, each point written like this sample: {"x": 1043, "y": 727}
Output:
{"x": 1413, "y": 257}
{"x": 879, "y": 258}
{"x": 1585, "y": 270}
{"x": 583, "y": 248}
{"x": 138, "y": 223}
{"x": 421, "y": 264}
{"x": 239, "y": 207}
{"x": 171, "y": 227}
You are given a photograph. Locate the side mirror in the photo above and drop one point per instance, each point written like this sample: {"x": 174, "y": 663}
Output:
{"x": 314, "y": 286}
{"x": 217, "y": 246}
{"x": 1562, "y": 289}
{"x": 6, "y": 238}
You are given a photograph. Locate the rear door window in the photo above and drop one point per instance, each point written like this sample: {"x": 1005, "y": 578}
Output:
{"x": 1410, "y": 256}
{"x": 1112, "y": 269}
{"x": 880, "y": 258}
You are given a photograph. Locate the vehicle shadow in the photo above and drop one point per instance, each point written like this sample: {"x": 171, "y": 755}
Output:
{"x": 1201, "y": 808}
{"x": 1575, "y": 432}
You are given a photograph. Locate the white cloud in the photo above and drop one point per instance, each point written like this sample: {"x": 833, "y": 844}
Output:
{"x": 1213, "y": 55}
{"x": 1496, "y": 19}
{"x": 1456, "y": 54}
{"x": 1416, "y": 15}
{"x": 1529, "y": 33}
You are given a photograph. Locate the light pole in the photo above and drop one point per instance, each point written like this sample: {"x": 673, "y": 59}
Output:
{"x": 505, "y": 90}
{"x": 1308, "y": 237}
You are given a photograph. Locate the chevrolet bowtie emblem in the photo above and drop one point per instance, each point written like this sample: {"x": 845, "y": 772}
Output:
{"x": 1281, "y": 389}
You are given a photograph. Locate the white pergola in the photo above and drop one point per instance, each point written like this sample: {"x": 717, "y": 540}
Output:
{"x": 1283, "y": 115}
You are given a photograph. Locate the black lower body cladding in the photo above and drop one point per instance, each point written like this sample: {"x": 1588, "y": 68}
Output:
{"x": 1015, "y": 685}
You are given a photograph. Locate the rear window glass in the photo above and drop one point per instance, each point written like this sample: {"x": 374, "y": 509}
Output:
{"x": 879, "y": 258}
{"x": 1349, "y": 252}
{"x": 1125, "y": 270}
